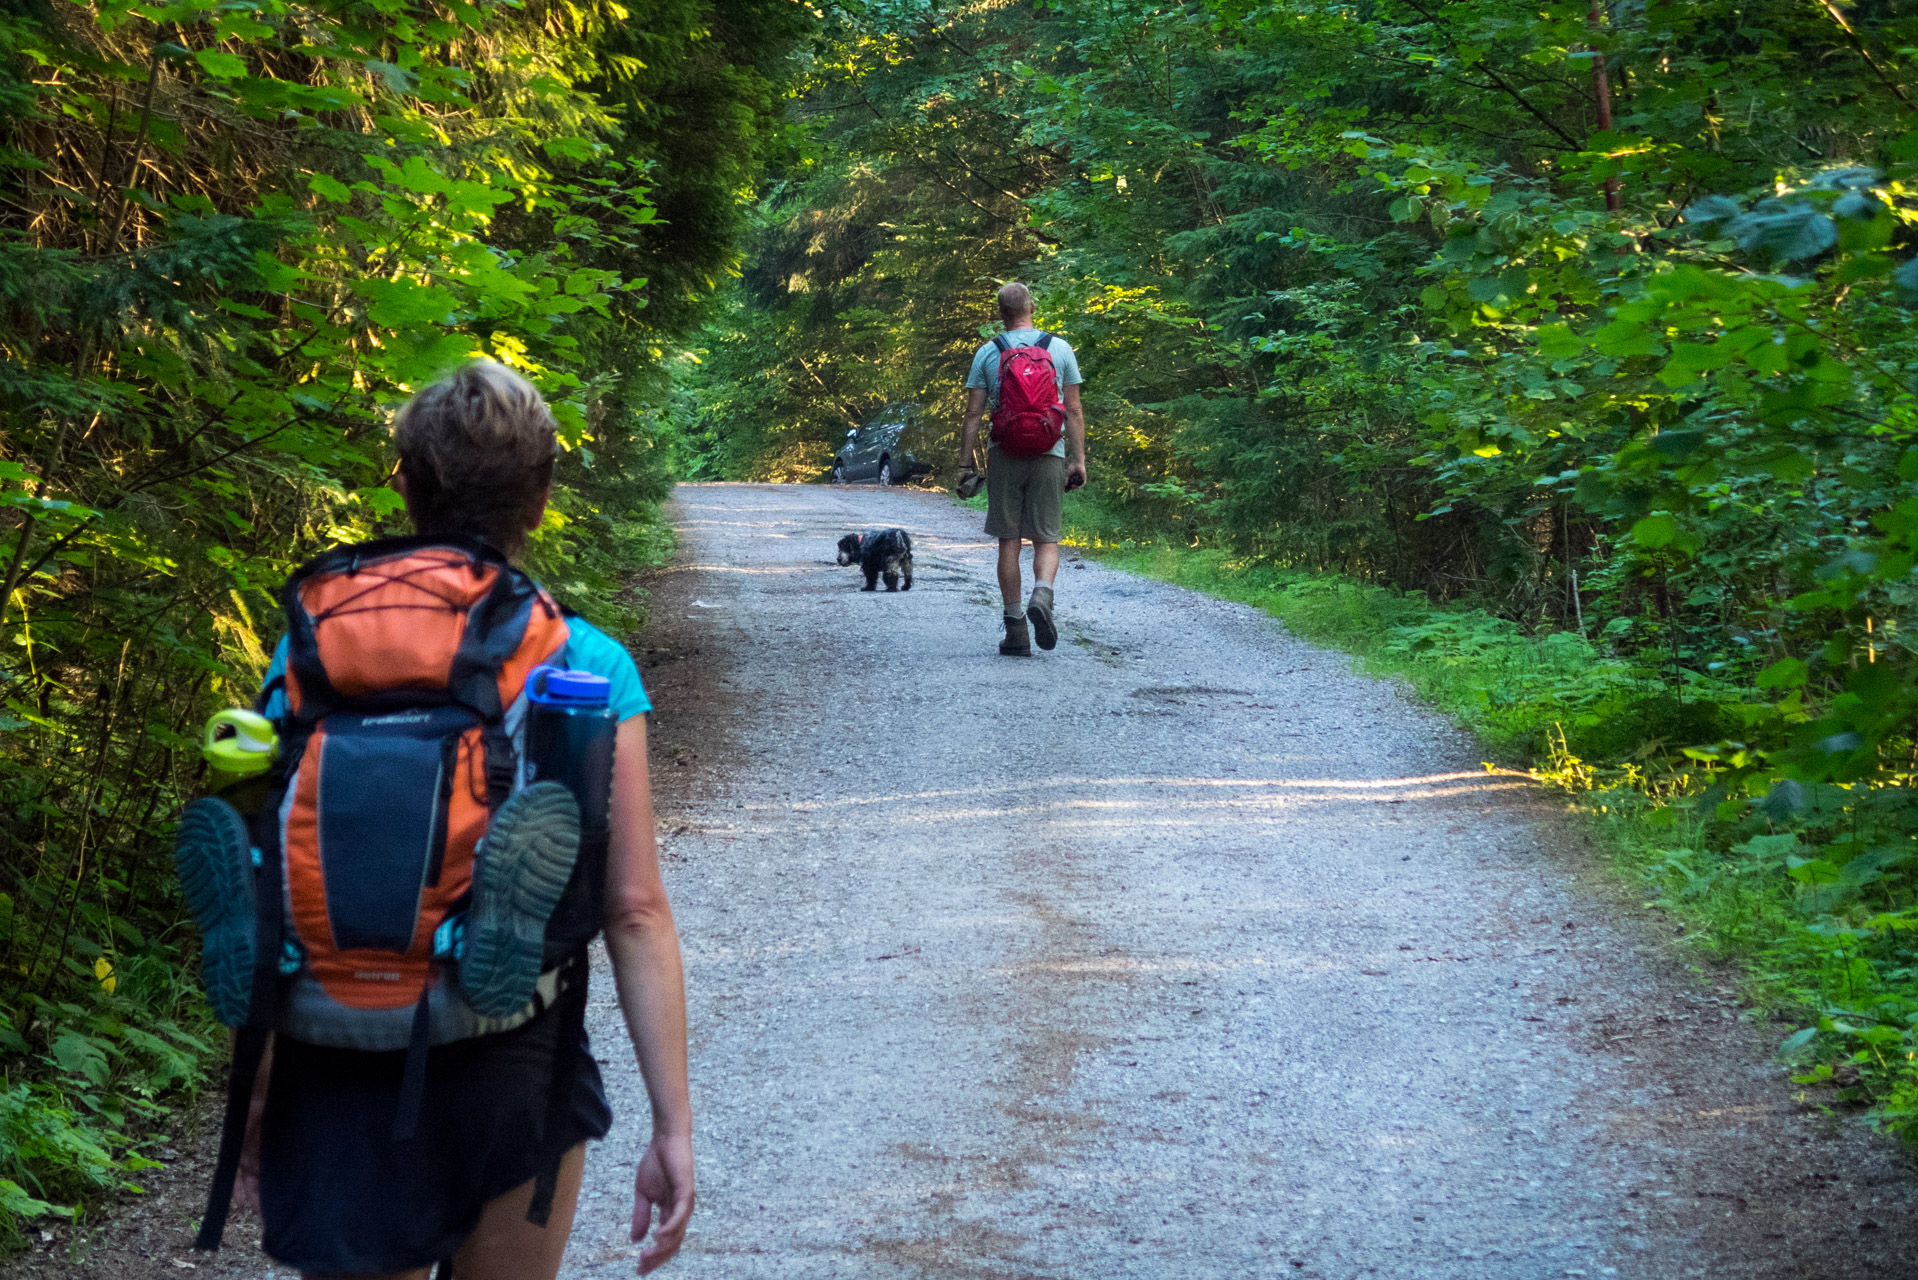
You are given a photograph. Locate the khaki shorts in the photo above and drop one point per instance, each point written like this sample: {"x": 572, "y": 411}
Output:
{"x": 1025, "y": 497}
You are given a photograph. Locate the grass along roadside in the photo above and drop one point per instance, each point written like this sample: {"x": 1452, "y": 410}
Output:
{"x": 1819, "y": 911}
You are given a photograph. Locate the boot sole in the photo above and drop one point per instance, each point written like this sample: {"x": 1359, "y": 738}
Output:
{"x": 213, "y": 853}
{"x": 520, "y": 872}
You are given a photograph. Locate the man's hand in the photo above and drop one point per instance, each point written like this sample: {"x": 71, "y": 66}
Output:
{"x": 1075, "y": 474}
{"x": 968, "y": 482}
{"x": 664, "y": 1182}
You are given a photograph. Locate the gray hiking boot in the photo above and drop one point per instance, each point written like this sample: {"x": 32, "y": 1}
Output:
{"x": 519, "y": 872}
{"x": 1039, "y": 610}
{"x": 1018, "y": 641}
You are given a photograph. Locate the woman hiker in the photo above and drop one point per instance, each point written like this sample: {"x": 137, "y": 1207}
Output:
{"x": 337, "y": 1195}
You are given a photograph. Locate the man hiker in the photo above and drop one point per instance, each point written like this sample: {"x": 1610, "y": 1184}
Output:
{"x": 1028, "y": 466}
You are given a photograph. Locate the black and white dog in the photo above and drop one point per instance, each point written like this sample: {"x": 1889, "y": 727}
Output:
{"x": 883, "y": 553}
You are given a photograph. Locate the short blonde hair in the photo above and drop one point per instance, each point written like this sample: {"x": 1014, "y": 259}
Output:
{"x": 1015, "y": 300}
{"x": 477, "y": 450}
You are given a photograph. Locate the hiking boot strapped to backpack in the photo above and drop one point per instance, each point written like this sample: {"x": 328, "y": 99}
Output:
{"x": 398, "y": 799}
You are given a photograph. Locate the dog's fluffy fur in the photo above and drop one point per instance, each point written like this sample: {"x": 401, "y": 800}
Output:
{"x": 880, "y": 553}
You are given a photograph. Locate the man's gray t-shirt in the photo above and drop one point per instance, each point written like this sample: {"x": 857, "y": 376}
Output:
{"x": 985, "y": 371}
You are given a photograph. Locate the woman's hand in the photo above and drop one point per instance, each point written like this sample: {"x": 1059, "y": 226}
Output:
{"x": 665, "y": 1183}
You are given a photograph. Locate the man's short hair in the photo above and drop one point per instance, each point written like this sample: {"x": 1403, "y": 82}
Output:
{"x": 1015, "y": 300}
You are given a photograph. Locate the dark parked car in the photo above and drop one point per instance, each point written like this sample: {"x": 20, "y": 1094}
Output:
{"x": 888, "y": 448}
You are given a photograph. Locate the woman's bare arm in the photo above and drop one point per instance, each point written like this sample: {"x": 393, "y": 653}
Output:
{"x": 644, "y": 946}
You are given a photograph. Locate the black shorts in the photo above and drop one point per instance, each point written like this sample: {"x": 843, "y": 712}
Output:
{"x": 340, "y": 1197}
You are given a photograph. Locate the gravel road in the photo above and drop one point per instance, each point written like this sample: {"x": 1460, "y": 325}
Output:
{"x": 1180, "y": 952}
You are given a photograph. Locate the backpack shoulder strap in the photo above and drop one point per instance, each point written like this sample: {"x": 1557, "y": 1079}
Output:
{"x": 571, "y": 1033}
{"x": 474, "y": 680}
{"x": 302, "y": 644}
{"x": 1045, "y": 340}
{"x": 999, "y": 341}
{"x": 250, "y": 1038}
{"x": 276, "y": 685}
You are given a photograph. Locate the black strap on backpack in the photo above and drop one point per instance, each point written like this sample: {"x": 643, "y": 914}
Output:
{"x": 1000, "y": 341}
{"x": 569, "y": 1037}
{"x": 250, "y": 1039}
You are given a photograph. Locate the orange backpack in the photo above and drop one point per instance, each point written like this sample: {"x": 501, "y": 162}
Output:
{"x": 403, "y": 659}
{"x": 406, "y": 661}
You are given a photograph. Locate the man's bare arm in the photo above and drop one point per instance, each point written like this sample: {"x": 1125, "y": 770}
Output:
{"x": 975, "y": 411}
{"x": 1075, "y": 436}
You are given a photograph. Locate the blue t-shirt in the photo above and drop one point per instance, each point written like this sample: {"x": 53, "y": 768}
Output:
{"x": 587, "y": 648}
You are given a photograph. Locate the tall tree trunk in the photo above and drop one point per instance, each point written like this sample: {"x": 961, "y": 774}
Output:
{"x": 1602, "y": 93}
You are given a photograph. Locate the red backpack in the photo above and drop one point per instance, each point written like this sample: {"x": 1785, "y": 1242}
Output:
{"x": 1028, "y": 421}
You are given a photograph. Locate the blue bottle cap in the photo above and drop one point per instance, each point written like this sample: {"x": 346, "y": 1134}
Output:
{"x": 557, "y": 687}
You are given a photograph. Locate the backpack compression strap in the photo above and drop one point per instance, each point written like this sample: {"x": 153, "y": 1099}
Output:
{"x": 250, "y": 1040}
{"x": 302, "y": 635}
{"x": 559, "y": 1091}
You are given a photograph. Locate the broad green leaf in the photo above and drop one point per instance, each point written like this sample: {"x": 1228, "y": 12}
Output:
{"x": 1812, "y": 871}
{"x": 1626, "y": 338}
{"x": 1558, "y": 342}
{"x": 220, "y": 64}
{"x": 404, "y": 303}
{"x": 1786, "y": 673}
{"x": 77, "y": 1053}
{"x": 1797, "y": 1041}
{"x": 329, "y": 188}
{"x": 1655, "y": 531}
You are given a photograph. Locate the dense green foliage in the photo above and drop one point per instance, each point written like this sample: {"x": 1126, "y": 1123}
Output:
{"x": 1577, "y": 338}
{"x": 232, "y": 239}
{"x": 1595, "y": 318}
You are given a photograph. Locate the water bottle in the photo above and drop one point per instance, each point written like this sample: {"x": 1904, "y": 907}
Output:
{"x": 570, "y": 731}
